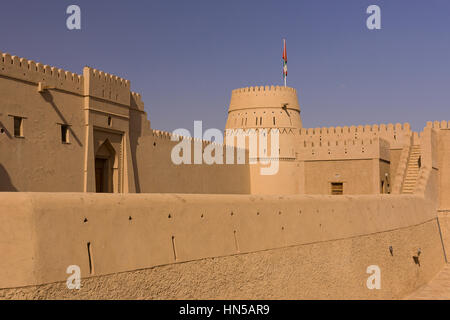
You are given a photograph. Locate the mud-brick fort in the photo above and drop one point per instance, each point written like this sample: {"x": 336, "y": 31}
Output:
{"x": 86, "y": 181}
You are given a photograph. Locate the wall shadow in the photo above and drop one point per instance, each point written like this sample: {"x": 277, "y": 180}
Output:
{"x": 3, "y": 130}
{"x": 6, "y": 184}
{"x": 49, "y": 98}
{"x": 135, "y": 132}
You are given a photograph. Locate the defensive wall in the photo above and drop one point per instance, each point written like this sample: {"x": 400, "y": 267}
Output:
{"x": 438, "y": 132}
{"x": 157, "y": 173}
{"x": 153, "y": 246}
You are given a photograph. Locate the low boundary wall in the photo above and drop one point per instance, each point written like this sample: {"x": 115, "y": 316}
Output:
{"x": 216, "y": 246}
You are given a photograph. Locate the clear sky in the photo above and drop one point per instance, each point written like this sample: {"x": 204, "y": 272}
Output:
{"x": 185, "y": 57}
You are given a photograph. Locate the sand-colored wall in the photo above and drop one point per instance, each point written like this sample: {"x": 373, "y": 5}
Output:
{"x": 444, "y": 224}
{"x": 444, "y": 168}
{"x": 236, "y": 246}
{"x": 395, "y": 159}
{"x": 395, "y": 134}
{"x": 39, "y": 161}
{"x": 320, "y": 174}
{"x": 158, "y": 174}
{"x": 288, "y": 179}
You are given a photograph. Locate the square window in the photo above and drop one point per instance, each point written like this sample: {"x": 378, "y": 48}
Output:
{"x": 18, "y": 127}
{"x": 337, "y": 188}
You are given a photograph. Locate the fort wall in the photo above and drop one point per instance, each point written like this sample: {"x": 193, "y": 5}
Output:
{"x": 34, "y": 72}
{"x": 162, "y": 246}
{"x": 395, "y": 134}
{"x": 38, "y": 160}
{"x": 341, "y": 149}
{"x": 442, "y": 131}
{"x": 319, "y": 175}
{"x": 158, "y": 173}
{"x": 105, "y": 86}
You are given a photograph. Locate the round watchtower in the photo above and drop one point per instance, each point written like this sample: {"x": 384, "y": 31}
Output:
{"x": 274, "y": 114}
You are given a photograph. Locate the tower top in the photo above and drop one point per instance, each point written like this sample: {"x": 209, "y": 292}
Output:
{"x": 264, "y": 97}
{"x": 264, "y": 106}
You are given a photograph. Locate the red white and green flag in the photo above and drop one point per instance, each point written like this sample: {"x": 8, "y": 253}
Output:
{"x": 285, "y": 69}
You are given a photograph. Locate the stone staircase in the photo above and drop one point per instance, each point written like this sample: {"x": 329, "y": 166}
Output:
{"x": 412, "y": 171}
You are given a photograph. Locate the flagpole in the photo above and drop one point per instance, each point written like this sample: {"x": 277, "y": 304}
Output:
{"x": 284, "y": 62}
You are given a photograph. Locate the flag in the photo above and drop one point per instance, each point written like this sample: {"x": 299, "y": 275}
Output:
{"x": 285, "y": 70}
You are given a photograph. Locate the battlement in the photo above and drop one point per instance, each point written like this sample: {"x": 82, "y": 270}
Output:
{"x": 93, "y": 82}
{"x": 337, "y": 149}
{"x": 106, "y": 86}
{"x": 164, "y": 135}
{"x": 35, "y": 72}
{"x": 438, "y": 124}
{"x": 356, "y": 129}
{"x": 394, "y": 133}
{"x": 107, "y": 77}
{"x": 136, "y": 101}
{"x": 266, "y": 89}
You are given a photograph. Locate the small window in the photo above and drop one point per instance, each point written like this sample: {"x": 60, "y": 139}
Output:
{"x": 337, "y": 188}
{"x": 18, "y": 127}
{"x": 64, "y": 133}
{"x": 109, "y": 121}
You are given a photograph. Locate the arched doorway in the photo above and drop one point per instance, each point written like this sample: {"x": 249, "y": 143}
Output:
{"x": 105, "y": 158}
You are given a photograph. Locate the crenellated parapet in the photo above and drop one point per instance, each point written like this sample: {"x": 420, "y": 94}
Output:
{"x": 35, "y": 72}
{"x": 106, "y": 86}
{"x": 93, "y": 82}
{"x": 438, "y": 125}
{"x": 395, "y": 134}
{"x": 274, "y": 90}
{"x": 344, "y": 148}
{"x": 169, "y": 136}
{"x": 264, "y": 97}
{"x": 136, "y": 101}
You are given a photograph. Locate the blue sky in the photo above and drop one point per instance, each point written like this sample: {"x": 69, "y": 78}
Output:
{"x": 185, "y": 57}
